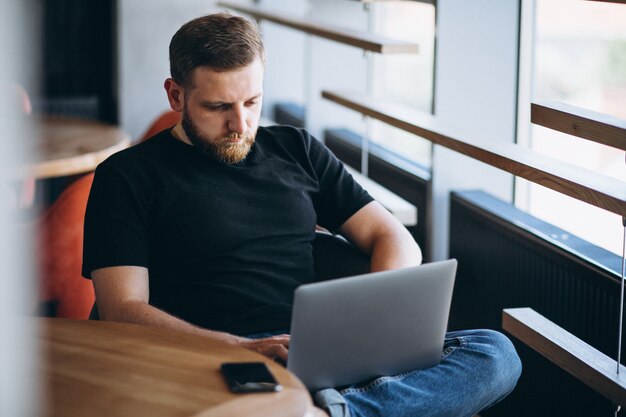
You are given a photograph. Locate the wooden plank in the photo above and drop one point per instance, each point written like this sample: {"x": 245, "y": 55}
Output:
{"x": 580, "y": 183}
{"x": 586, "y": 124}
{"x": 611, "y": 1}
{"x": 383, "y": 1}
{"x": 560, "y": 347}
{"x": 363, "y": 40}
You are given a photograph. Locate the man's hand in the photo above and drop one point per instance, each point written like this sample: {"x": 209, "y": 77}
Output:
{"x": 275, "y": 347}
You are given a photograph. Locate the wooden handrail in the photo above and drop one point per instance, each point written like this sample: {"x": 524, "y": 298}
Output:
{"x": 363, "y": 40}
{"x": 568, "y": 352}
{"x": 582, "y": 184}
{"x": 586, "y": 124}
{"x": 382, "y": 1}
{"x": 611, "y": 1}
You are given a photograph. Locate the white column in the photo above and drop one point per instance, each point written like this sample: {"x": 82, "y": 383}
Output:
{"x": 475, "y": 89}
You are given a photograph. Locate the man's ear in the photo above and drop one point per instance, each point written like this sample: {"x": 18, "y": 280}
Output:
{"x": 175, "y": 94}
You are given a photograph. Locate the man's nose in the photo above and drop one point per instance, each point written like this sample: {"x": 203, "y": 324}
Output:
{"x": 237, "y": 121}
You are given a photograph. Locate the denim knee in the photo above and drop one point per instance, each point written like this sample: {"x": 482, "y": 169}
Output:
{"x": 502, "y": 362}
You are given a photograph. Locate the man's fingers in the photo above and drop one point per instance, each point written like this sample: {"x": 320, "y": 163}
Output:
{"x": 283, "y": 339}
{"x": 283, "y": 353}
{"x": 272, "y": 347}
{"x": 276, "y": 351}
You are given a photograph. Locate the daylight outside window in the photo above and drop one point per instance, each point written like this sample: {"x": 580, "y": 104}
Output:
{"x": 579, "y": 50}
{"x": 405, "y": 78}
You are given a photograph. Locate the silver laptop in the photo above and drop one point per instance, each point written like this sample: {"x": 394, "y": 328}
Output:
{"x": 353, "y": 329}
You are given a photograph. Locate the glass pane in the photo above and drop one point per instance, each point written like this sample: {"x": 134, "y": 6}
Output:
{"x": 580, "y": 59}
{"x": 405, "y": 78}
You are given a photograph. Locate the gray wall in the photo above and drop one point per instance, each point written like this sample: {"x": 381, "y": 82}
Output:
{"x": 286, "y": 50}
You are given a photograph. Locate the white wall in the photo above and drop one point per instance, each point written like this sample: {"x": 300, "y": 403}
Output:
{"x": 286, "y": 51}
{"x": 145, "y": 29}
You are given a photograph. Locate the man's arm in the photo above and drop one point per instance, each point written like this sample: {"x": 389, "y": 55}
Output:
{"x": 376, "y": 232}
{"x": 122, "y": 294}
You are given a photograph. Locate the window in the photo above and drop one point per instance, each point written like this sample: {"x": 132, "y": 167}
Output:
{"x": 579, "y": 58}
{"x": 405, "y": 78}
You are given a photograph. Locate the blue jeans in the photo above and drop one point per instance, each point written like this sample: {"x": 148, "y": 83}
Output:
{"x": 478, "y": 368}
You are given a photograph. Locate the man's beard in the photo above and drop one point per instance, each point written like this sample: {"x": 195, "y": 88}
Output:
{"x": 220, "y": 148}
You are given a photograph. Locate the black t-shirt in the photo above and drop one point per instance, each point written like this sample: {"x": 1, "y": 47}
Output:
{"x": 225, "y": 245}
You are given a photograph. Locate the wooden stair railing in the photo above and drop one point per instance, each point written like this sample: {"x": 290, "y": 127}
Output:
{"x": 604, "y": 374}
{"x": 363, "y": 40}
{"x": 611, "y": 1}
{"x": 586, "y": 124}
{"x": 585, "y": 185}
{"x": 382, "y": 1}
{"x": 562, "y": 348}
{"x": 579, "y": 359}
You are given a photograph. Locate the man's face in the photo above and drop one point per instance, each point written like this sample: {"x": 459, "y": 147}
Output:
{"x": 221, "y": 111}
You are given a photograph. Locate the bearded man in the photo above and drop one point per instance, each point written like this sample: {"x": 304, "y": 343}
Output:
{"x": 207, "y": 228}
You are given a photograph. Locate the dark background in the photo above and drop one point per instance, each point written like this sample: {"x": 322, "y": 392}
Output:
{"x": 78, "y": 59}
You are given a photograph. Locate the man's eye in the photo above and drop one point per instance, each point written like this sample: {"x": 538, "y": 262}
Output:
{"x": 220, "y": 107}
{"x": 251, "y": 103}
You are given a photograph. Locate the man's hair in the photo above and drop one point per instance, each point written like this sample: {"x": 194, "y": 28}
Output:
{"x": 220, "y": 42}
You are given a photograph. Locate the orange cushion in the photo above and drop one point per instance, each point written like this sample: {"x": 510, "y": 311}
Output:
{"x": 60, "y": 242}
{"x": 165, "y": 120}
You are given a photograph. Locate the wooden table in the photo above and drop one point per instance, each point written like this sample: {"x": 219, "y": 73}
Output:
{"x": 68, "y": 146}
{"x": 98, "y": 368}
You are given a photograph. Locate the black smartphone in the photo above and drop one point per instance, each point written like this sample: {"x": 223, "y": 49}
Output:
{"x": 249, "y": 377}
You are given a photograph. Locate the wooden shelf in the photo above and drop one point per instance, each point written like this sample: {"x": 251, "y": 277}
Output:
{"x": 586, "y": 124}
{"x": 560, "y": 347}
{"x": 366, "y": 41}
{"x": 585, "y": 185}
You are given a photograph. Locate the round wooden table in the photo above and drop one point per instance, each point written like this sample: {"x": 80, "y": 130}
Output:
{"x": 99, "y": 368}
{"x": 68, "y": 146}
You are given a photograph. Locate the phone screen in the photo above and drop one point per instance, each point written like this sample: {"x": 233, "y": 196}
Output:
{"x": 249, "y": 377}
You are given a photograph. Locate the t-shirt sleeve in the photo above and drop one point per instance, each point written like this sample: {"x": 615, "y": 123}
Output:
{"x": 339, "y": 196}
{"x": 115, "y": 222}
